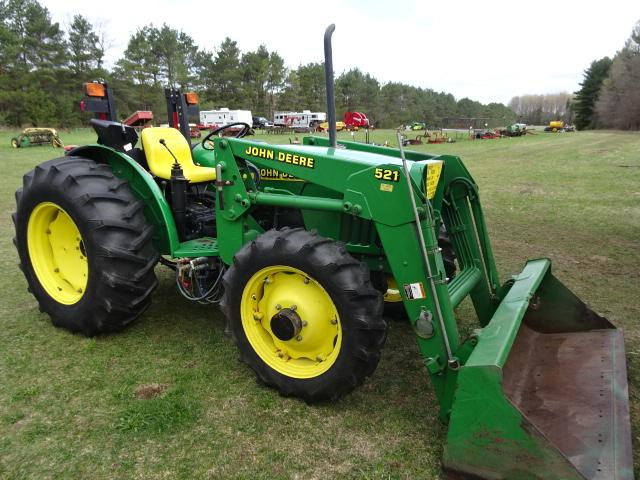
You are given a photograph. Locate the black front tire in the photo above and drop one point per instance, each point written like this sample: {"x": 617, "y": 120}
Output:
{"x": 346, "y": 281}
{"x": 116, "y": 237}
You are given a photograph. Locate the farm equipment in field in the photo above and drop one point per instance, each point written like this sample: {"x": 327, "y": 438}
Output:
{"x": 31, "y": 137}
{"x": 298, "y": 244}
{"x": 139, "y": 119}
{"x": 355, "y": 120}
{"x": 558, "y": 126}
{"x": 487, "y": 134}
{"x": 514, "y": 130}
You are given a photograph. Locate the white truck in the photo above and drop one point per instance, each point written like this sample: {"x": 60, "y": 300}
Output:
{"x": 224, "y": 116}
{"x": 304, "y": 119}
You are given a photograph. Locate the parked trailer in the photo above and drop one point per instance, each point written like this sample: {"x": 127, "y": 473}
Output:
{"x": 303, "y": 119}
{"x": 224, "y": 116}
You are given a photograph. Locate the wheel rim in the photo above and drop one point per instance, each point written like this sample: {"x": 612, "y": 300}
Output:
{"x": 279, "y": 294}
{"x": 57, "y": 253}
{"x": 14, "y": 143}
{"x": 392, "y": 295}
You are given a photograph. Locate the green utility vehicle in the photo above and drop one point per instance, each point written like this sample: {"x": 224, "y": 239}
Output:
{"x": 299, "y": 244}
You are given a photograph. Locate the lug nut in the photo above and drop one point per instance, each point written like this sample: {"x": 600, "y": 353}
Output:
{"x": 306, "y": 280}
{"x": 334, "y": 321}
{"x": 257, "y": 316}
{"x": 299, "y": 338}
{"x": 253, "y": 296}
{"x": 280, "y": 354}
{"x": 319, "y": 358}
{"x": 293, "y": 307}
{"x": 304, "y": 323}
{"x": 278, "y": 306}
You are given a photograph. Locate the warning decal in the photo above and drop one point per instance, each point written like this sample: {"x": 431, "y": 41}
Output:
{"x": 414, "y": 291}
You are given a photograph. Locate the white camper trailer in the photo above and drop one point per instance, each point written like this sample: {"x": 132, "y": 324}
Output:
{"x": 224, "y": 116}
{"x": 304, "y": 119}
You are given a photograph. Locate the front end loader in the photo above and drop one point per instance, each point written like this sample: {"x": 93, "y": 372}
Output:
{"x": 299, "y": 244}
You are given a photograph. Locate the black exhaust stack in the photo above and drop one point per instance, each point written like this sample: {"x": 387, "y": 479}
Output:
{"x": 328, "y": 76}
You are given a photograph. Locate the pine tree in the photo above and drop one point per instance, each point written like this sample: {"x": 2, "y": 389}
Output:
{"x": 587, "y": 96}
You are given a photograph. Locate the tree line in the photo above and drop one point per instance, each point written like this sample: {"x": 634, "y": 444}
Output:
{"x": 542, "y": 109}
{"x": 609, "y": 96}
{"x": 42, "y": 67}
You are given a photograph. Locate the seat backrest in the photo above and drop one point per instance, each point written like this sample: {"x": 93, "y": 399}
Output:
{"x": 158, "y": 158}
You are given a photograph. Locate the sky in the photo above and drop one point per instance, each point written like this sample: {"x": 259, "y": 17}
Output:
{"x": 473, "y": 49}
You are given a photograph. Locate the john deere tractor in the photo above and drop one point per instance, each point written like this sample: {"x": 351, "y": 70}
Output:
{"x": 299, "y": 244}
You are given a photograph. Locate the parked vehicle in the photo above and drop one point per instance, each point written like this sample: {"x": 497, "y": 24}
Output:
{"x": 304, "y": 119}
{"x": 324, "y": 126}
{"x": 261, "y": 122}
{"x": 224, "y": 116}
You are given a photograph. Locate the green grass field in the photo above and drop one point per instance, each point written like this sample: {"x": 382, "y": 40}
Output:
{"x": 167, "y": 398}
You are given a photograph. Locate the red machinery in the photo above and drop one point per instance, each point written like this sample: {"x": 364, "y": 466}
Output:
{"x": 355, "y": 120}
{"x": 139, "y": 119}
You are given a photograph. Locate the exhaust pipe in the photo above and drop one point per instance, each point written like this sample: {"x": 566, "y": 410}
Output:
{"x": 328, "y": 76}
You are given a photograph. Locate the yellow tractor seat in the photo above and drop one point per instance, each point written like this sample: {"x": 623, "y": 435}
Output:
{"x": 160, "y": 160}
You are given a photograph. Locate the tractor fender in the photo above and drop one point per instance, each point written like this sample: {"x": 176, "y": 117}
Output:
{"x": 156, "y": 210}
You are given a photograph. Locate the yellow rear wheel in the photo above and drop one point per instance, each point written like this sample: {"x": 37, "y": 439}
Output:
{"x": 85, "y": 246}
{"x": 57, "y": 253}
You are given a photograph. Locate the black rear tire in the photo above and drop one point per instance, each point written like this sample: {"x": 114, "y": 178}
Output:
{"x": 347, "y": 283}
{"x": 117, "y": 242}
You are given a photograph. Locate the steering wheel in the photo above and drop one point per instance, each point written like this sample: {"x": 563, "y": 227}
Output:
{"x": 246, "y": 128}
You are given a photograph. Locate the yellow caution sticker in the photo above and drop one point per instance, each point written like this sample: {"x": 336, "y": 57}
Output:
{"x": 433, "y": 176}
{"x": 386, "y": 187}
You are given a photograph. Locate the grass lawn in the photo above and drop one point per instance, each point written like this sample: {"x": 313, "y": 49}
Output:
{"x": 72, "y": 407}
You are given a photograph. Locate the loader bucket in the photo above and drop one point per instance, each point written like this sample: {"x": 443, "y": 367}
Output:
{"x": 544, "y": 393}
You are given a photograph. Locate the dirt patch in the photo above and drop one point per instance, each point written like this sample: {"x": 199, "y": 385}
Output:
{"x": 150, "y": 390}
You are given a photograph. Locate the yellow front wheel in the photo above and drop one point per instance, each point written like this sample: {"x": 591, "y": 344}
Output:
{"x": 291, "y": 321}
{"x": 304, "y": 314}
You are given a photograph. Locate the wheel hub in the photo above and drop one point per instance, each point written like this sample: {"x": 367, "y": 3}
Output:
{"x": 286, "y": 324}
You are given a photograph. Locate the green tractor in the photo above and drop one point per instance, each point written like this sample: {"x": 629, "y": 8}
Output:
{"x": 299, "y": 244}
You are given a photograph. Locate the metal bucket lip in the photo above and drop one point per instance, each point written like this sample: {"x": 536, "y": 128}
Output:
{"x": 496, "y": 431}
{"x": 572, "y": 388}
